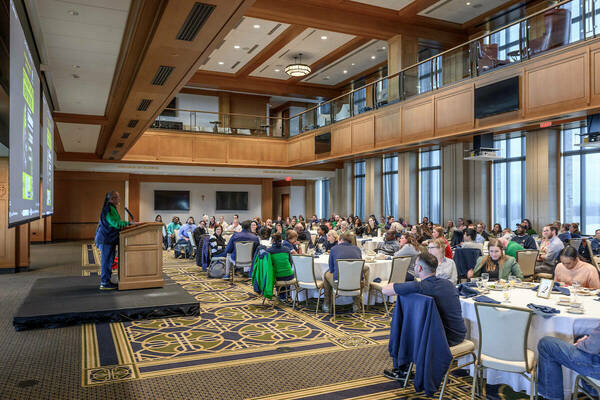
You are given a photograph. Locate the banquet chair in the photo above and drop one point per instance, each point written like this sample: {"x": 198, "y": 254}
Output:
{"x": 501, "y": 329}
{"x": 349, "y": 283}
{"x": 593, "y": 382}
{"x": 527, "y": 260}
{"x": 243, "y": 257}
{"x": 595, "y": 260}
{"x": 397, "y": 275}
{"x": 304, "y": 270}
{"x": 194, "y": 247}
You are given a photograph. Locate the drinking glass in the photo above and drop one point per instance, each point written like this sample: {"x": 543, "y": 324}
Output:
{"x": 576, "y": 286}
{"x": 479, "y": 283}
{"x": 506, "y": 293}
{"x": 512, "y": 280}
{"x": 485, "y": 277}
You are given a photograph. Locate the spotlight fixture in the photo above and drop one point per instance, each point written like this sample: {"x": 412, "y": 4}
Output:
{"x": 372, "y": 57}
{"x": 323, "y": 37}
{"x": 345, "y": 71}
{"x": 221, "y": 63}
{"x": 256, "y": 26}
{"x": 237, "y": 46}
{"x": 277, "y": 70}
{"x": 297, "y": 68}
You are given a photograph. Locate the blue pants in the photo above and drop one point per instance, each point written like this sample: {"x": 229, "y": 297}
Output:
{"x": 107, "y": 256}
{"x": 553, "y": 354}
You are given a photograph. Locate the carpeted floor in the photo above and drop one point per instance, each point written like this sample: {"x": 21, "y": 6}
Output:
{"x": 236, "y": 349}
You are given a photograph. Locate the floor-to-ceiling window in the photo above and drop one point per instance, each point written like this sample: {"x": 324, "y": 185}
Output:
{"x": 359, "y": 189}
{"x": 322, "y": 198}
{"x": 390, "y": 185}
{"x": 580, "y": 190}
{"x": 430, "y": 185}
{"x": 508, "y": 182}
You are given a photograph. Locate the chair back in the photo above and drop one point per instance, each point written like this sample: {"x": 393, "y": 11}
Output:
{"x": 243, "y": 253}
{"x": 349, "y": 274}
{"x": 575, "y": 243}
{"x": 304, "y": 268}
{"x": 400, "y": 267}
{"x": 313, "y": 237}
{"x": 594, "y": 259}
{"x": 526, "y": 260}
{"x": 192, "y": 240}
{"x": 503, "y": 332}
{"x": 303, "y": 245}
{"x": 176, "y": 232}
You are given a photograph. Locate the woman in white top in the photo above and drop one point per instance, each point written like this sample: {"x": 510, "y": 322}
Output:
{"x": 446, "y": 268}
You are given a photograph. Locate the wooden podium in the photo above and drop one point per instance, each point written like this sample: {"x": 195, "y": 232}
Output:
{"x": 140, "y": 256}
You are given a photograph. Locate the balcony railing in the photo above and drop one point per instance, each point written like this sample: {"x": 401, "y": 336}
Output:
{"x": 564, "y": 23}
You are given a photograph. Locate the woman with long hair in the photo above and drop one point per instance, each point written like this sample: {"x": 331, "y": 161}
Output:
{"x": 438, "y": 233}
{"x": 497, "y": 264}
{"x": 497, "y": 231}
{"x": 417, "y": 233}
{"x": 409, "y": 247}
{"x": 212, "y": 223}
{"x": 371, "y": 228}
{"x": 446, "y": 268}
{"x": 359, "y": 229}
{"x": 217, "y": 243}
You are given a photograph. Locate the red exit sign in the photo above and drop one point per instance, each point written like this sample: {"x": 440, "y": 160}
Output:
{"x": 545, "y": 124}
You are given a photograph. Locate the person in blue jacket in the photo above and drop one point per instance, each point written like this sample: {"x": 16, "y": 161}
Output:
{"x": 244, "y": 236}
{"x": 107, "y": 237}
{"x": 344, "y": 250}
{"x": 446, "y": 299}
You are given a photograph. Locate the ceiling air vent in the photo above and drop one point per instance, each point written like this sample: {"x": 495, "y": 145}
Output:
{"x": 162, "y": 75}
{"x": 252, "y": 49}
{"x": 144, "y": 104}
{"x": 119, "y": 145}
{"x": 194, "y": 21}
{"x": 115, "y": 152}
{"x": 125, "y": 135}
{"x": 272, "y": 31}
{"x": 235, "y": 65}
{"x": 132, "y": 123}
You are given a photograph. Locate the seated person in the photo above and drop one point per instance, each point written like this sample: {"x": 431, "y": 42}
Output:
{"x": 409, "y": 247}
{"x": 198, "y": 232}
{"x": 359, "y": 229}
{"x": 572, "y": 269}
{"x": 223, "y": 224}
{"x": 321, "y": 235}
{"x": 303, "y": 235}
{"x": 497, "y": 264}
{"x": 390, "y": 245}
{"x": 549, "y": 257}
{"x": 371, "y": 228}
{"x": 175, "y": 225}
{"x": 510, "y": 247}
{"x": 469, "y": 240}
{"x": 529, "y": 228}
{"x": 596, "y": 243}
{"x": 216, "y": 243}
{"x": 282, "y": 261}
{"x": 438, "y": 233}
{"x": 521, "y": 237}
{"x": 446, "y": 300}
{"x": 481, "y": 235}
{"x": 344, "y": 250}
{"x": 564, "y": 233}
{"x": 185, "y": 231}
{"x": 574, "y": 231}
{"x": 265, "y": 233}
{"x": 446, "y": 268}
{"x": 342, "y": 227}
{"x": 583, "y": 357}
{"x": 244, "y": 236}
{"x": 254, "y": 227}
{"x": 235, "y": 225}
{"x": 332, "y": 240}
{"x": 291, "y": 242}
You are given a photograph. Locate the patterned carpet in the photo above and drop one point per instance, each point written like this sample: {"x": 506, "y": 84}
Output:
{"x": 235, "y": 329}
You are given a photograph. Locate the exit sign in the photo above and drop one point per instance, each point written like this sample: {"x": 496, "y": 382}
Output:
{"x": 545, "y": 124}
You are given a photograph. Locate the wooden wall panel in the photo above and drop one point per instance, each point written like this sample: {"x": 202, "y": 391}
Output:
{"x": 244, "y": 151}
{"x": 417, "y": 120}
{"x": 341, "y": 139}
{"x": 560, "y": 83}
{"x": 294, "y": 154}
{"x": 273, "y": 153}
{"x": 307, "y": 148}
{"x": 363, "y": 133}
{"x": 48, "y": 228}
{"x": 175, "y": 148}
{"x": 145, "y": 148}
{"x": 454, "y": 110}
{"x": 212, "y": 150}
{"x": 595, "y": 74}
{"x": 388, "y": 127}
{"x": 22, "y": 246}
{"x": 36, "y": 231}
{"x": 7, "y": 236}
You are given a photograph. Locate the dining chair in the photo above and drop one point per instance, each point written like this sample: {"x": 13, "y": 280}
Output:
{"x": 243, "y": 257}
{"x": 397, "y": 275}
{"x": 503, "y": 332}
{"x": 595, "y": 260}
{"x": 349, "y": 283}
{"x": 593, "y": 382}
{"x": 527, "y": 260}
{"x": 304, "y": 270}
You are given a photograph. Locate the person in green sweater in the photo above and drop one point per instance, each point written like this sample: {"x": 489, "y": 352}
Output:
{"x": 497, "y": 264}
{"x": 510, "y": 247}
{"x": 171, "y": 228}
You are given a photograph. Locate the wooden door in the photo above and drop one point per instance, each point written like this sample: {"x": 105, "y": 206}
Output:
{"x": 285, "y": 205}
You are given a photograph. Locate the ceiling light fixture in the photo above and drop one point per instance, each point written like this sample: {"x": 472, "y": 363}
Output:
{"x": 297, "y": 68}
{"x": 468, "y": 3}
{"x": 221, "y": 63}
{"x": 382, "y": 47}
{"x": 278, "y": 70}
{"x": 372, "y": 57}
{"x": 324, "y": 37}
{"x": 237, "y": 46}
{"x": 345, "y": 71}
{"x": 353, "y": 64}
{"x": 256, "y": 26}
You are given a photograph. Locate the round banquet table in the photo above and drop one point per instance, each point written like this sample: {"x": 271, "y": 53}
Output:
{"x": 377, "y": 269}
{"x": 565, "y": 326}
{"x": 370, "y": 243}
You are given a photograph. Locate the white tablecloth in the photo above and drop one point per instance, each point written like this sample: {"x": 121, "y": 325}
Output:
{"x": 565, "y": 326}
{"x": 378, "y": 269}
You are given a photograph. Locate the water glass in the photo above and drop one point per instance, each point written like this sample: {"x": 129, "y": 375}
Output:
{"x": 576, "y": 286}
{"x": 506, "y": 293}
{"x": 485, "y": 277}
{"x": 512, "y": 280}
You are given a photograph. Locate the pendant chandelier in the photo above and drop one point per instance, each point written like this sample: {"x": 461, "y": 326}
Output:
{"x": 297, "y": 68}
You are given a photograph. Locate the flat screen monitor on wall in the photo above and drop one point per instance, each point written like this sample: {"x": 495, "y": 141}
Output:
{"x": 172, "y": 200}
{"x": 24, "y": 128}
{"x": 497, "y": 98}
{"x": 232, "y": 201}
{"x": 47, "y": 159}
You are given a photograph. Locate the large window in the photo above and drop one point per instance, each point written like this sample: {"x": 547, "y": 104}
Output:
{"x": 508, "y": 182}
{"x": 390, "y": 185}
{"x": 322, "y": 198}
{"x": 580, "y": 191}
{"x": 430, "y": 185}
{"x": 359, "y": 189}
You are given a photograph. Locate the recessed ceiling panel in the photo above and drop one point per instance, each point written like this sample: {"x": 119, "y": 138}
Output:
{"x": 245, "y": 41}
{"x": 79, "y": 138}
{"x": 391, "y": 4}
{"x": 314, "y": 44}
{"x": 361, "y": 59}
{"x": 460, "y": 11}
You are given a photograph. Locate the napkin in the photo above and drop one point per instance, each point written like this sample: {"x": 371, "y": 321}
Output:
{"x": 557, "y": 289}
{"x": 470, "y": 284}
{"x": 366, "y": 240}
{"x": 544, "y": 311}
{"x": 485, "y": 299}
{"x": 466, "y": 291}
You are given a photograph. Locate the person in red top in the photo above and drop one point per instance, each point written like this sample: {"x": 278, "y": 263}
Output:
{"x": 438, "y": 233}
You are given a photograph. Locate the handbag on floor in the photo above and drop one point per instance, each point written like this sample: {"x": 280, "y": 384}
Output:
{"x": 216, "y": 269}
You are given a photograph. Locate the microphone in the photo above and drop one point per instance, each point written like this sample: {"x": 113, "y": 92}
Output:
{"x": 130, "y": 214}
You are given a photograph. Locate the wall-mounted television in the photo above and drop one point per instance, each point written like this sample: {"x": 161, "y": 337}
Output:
{"x": 172, "y": 200}
{"x": 497, "y": 98}
{"x": 323, "y": 143}
{"x": 232, "y": 201}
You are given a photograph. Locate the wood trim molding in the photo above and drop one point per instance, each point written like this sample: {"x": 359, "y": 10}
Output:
{"x": 58, "y": 144}
{"x": 79, "y": 118}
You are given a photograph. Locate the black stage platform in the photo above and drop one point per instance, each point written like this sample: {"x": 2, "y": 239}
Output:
{"x": 74, "y": 300}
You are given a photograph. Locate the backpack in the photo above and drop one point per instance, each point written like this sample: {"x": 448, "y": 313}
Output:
{"x": 216, "y": 269}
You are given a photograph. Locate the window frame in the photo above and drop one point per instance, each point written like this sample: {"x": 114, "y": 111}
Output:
{"x": 429, "y": 169}
{"x": 506, "y": 161}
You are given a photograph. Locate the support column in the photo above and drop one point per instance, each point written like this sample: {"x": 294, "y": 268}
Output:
{"x": 373, "y": 187}
{"x": 267, "y": 198}
{"x": 133, "y": 197}
{"x": 402, "y": 52}
{"x": 347, "y": 192}
{"x": 408, "y": 198}
{"x": 309, "y": 199}
{"x": 542, "y": 174}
